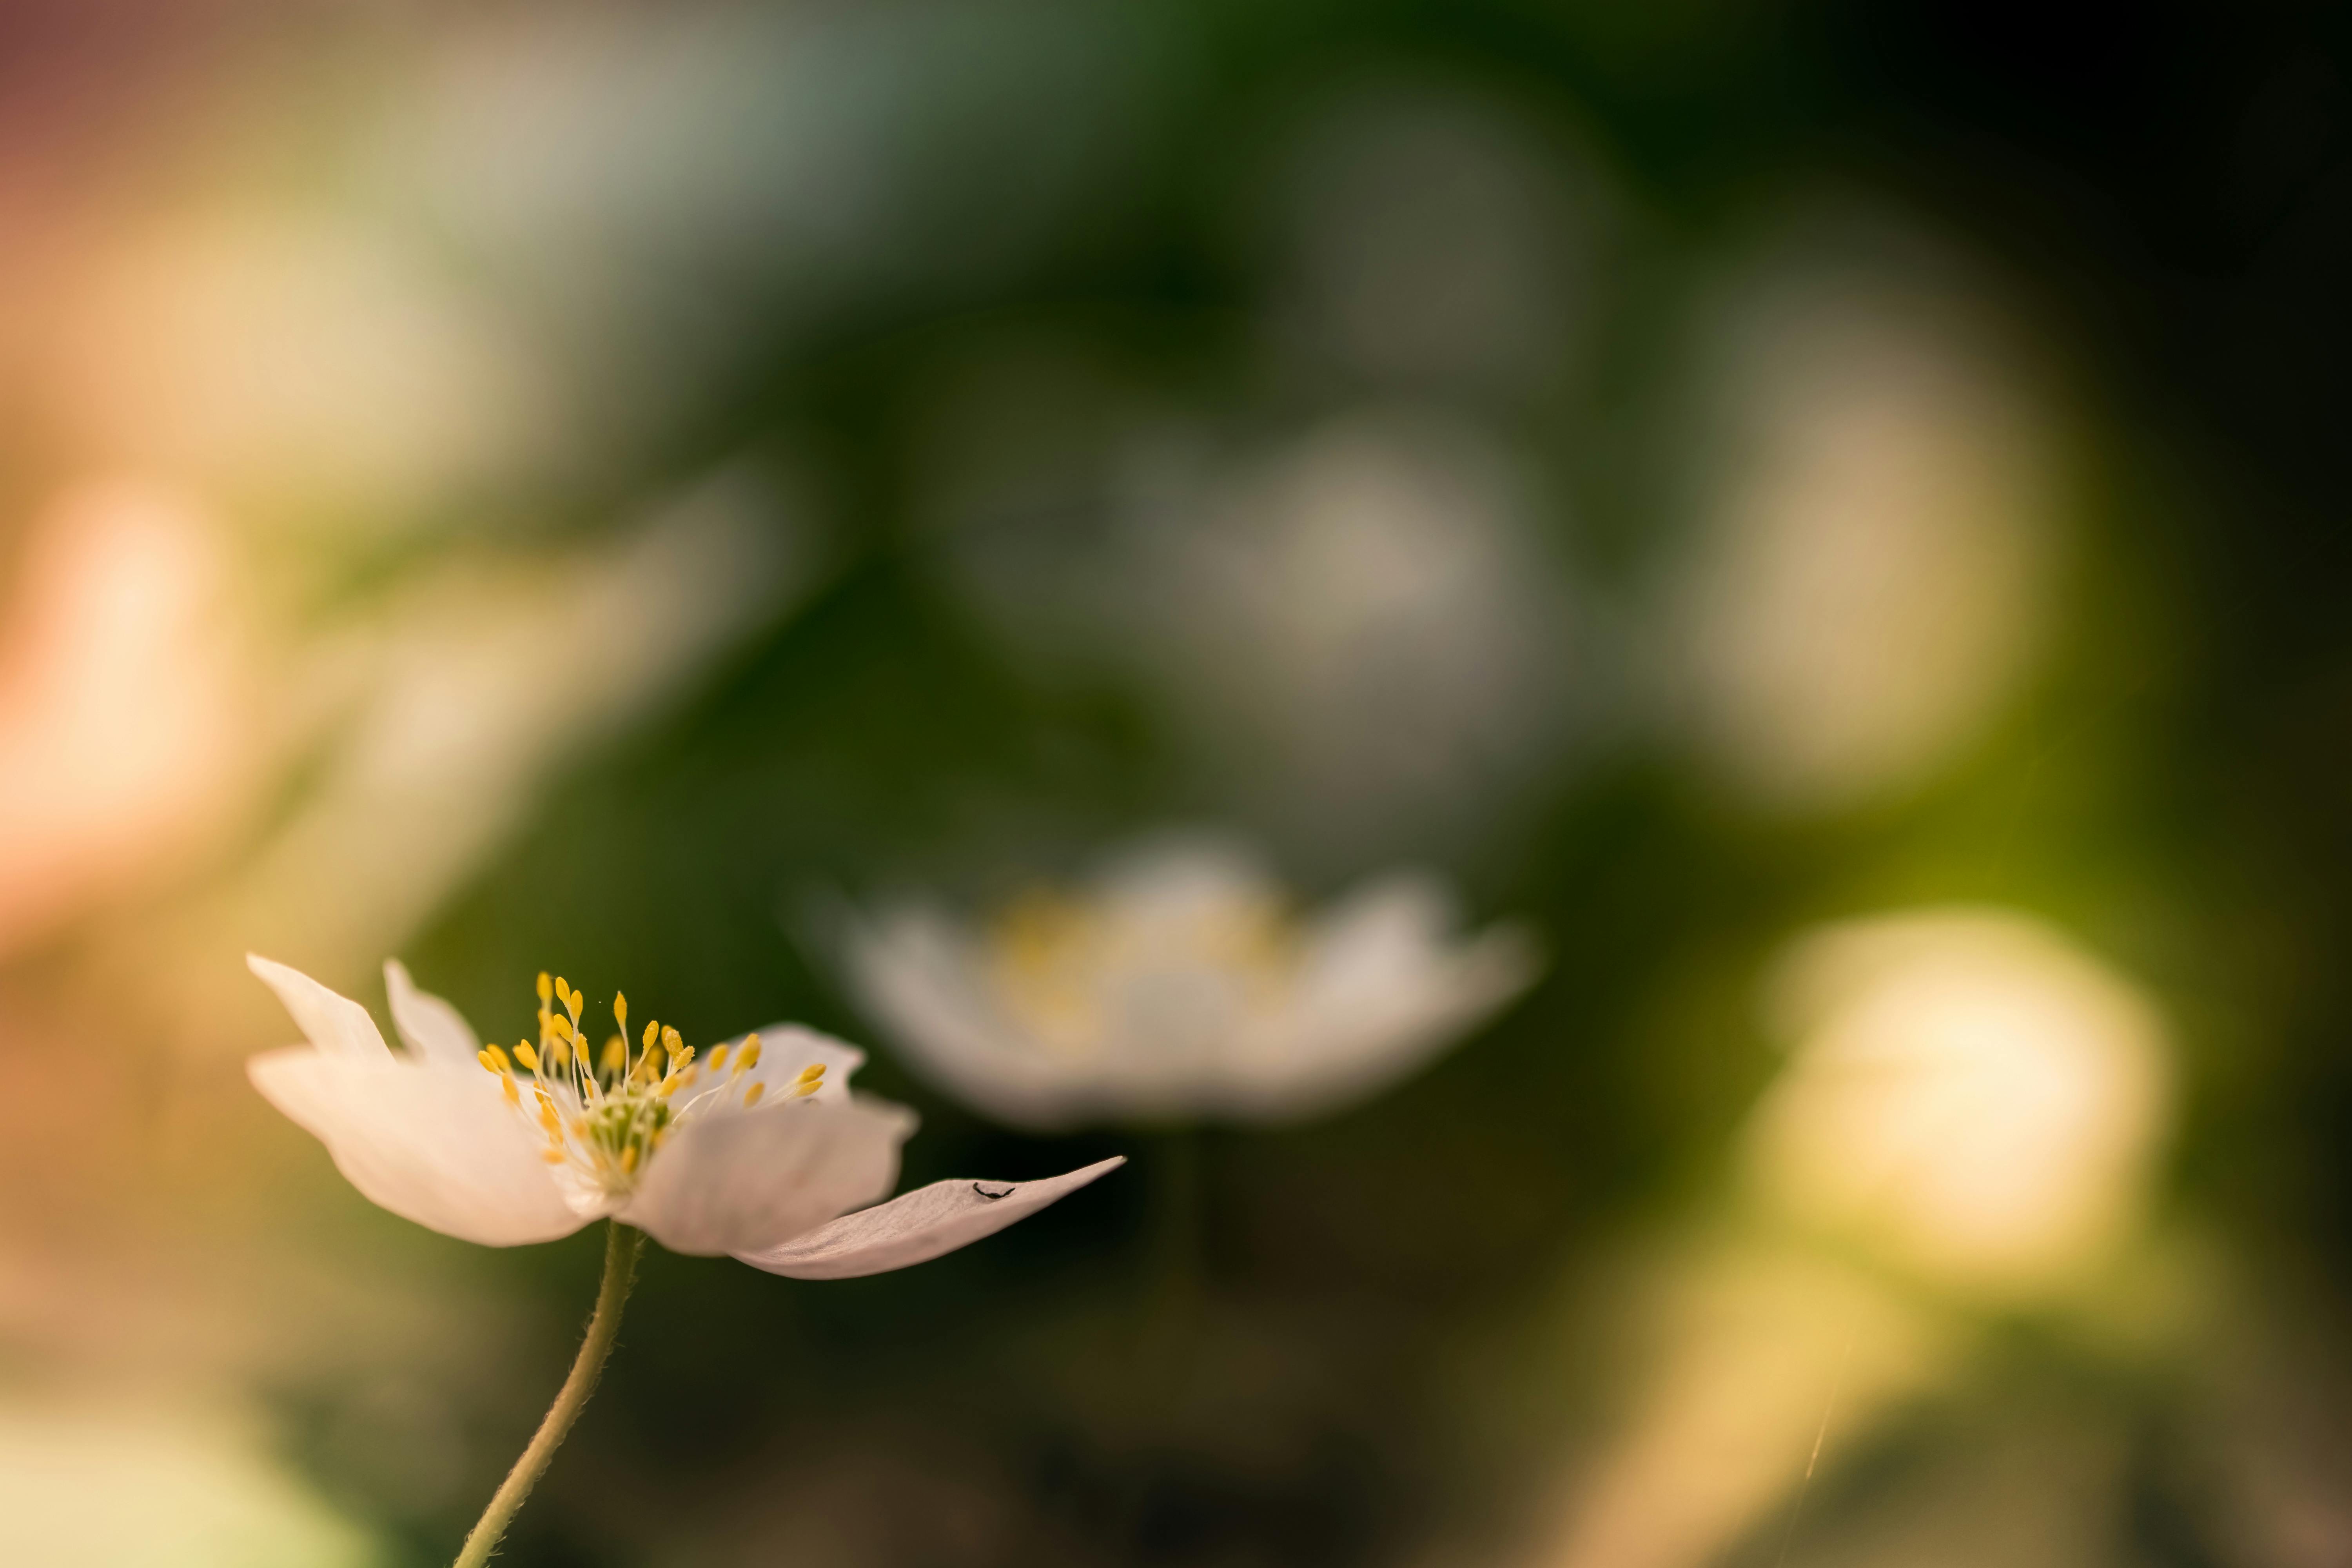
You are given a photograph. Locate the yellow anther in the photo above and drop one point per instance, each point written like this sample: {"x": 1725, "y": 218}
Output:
{"x": 811, "y": 1073}
{"x": 561, "y": 1027}
{"x": 749, "y": 1057}
{"x": 552, "y": 1156}
{"x": 490, "y": 1063}
{"x": 507, "y": 1083}
{"x": 574, "y": 1004}
{"x": 616, "y": 1053}
{"x": 653, "y": 1033}
{"x": 525, "y": 1055}
{"x": 751, "y": 1095}
{"x": 812, "y": 1078}
{"x": 718, "y": 1057}
{"x": 672, "y": 1041}
{"x": 685, "y": 1055}
{"x": 629, "y": 1158}
{"x": 620, "y": 1011}
{"x": 558, "y": 1055}
{"x": 496, "y": 1059}
{"x": 548, "y": 1119}
{"x": 562, "y": 991}
{"x": 546, "y": 989}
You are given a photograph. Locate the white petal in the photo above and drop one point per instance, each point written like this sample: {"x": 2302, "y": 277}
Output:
{"x": 917, "y": 972}
{"x": 428, "y": 1025}
{"x": 1382, "y": 989}
{"x": 734, "y": 1183}
{"x": 435, "y": 1145}
{"x": 336, "y": 1025}
{"x": 784, "y": 1050}
{"x": 918, "y": 1227}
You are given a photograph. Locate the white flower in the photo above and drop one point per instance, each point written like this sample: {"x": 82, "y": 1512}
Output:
{"x": 749, "y": 1150}
{"x": 1178, "y": 986}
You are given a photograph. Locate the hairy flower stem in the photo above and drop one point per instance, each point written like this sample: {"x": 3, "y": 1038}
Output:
{"x": 622, "y": 1245}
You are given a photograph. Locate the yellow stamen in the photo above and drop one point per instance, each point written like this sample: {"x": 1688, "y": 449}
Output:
{"x": 616, "y": 1053}
{"x": 653, "y": 1033}
{"x": 561, "y": 1027}
{"x": 525, "y": 1055}
{"x": 620, "y": 1011}
{"x": 552, "y": 1156}
{"x": 558, "y": 1055}
{"x": 629, "y": 1158}
{"x": 749, "y": 1055}
{"x": 507, "y": 1085}
{"x": 490, "y": 1063}
{"x": 564, "y": 991}
{"x": 812, "y": 1078}
{"x": 751, "y": 1095}
{"x": 546, "y": 989}
{"x": 498, "y": 1060}
{"x": 672, "y": 1041}
{"x": 718, "y": 1057}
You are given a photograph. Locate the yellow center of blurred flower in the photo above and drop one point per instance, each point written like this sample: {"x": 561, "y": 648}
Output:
{"x": 1066, "y": 967}
{"x": 606, "y": 1112}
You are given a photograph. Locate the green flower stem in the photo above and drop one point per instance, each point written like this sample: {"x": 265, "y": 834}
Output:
{"x": 623, "y": 1243}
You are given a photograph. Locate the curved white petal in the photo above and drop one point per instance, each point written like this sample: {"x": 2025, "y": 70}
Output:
{"x": 1383, "y": 988}
{"x": 916, "y": 1227}
{"x": 784, "y": 1050}
{"x": 336, "y": 1025}
{"x": 428, "y": 1025}
{"x": 738, "y": 1184}
{"x": 917, "y": 972}
{"x": 432, "y": 1144}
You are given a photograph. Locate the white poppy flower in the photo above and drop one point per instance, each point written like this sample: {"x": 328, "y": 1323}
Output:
{"x": 755, "y": 1149}
{"x": 1178, "y": 986}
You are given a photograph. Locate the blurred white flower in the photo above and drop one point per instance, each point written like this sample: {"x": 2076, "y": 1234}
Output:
{"x": 1179, "y": 984}
{"x": 1968, "y": 1125}
{"x": 1874, "y": 569}
{"x": 1972, "y": 1097}
{"x": 1362, "y": 627}
{"x": 748, "y": 1150}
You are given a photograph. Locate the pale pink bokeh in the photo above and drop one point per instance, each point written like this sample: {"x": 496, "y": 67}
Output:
{"x": 120, "y": 710}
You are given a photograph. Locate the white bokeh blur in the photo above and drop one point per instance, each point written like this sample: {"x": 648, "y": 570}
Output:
{"x": 1966, "y": 1129}
{"x": 1874, "y": 565}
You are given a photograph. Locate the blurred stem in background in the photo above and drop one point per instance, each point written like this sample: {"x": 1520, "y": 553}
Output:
{"x": 1177, "y": 1275}
{"x": 623, "y": 1243}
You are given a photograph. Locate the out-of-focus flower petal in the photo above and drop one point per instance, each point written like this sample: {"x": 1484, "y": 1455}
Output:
{"x": 918, "y": 1227}
{"x": 738, "y": 1184}
{"x": 428, "y": 1025}
{"x": 1178, "y": 987}
{"x": 336, "y": 1025}
{"x": 1383, "y": 986}
{"x": 918, "y": 970}
{"x": 435, "y": 1145}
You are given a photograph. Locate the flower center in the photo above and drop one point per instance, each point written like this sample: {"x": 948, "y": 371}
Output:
{"x": 1071, "y": 970}
{"x": 604, "y": 1113}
